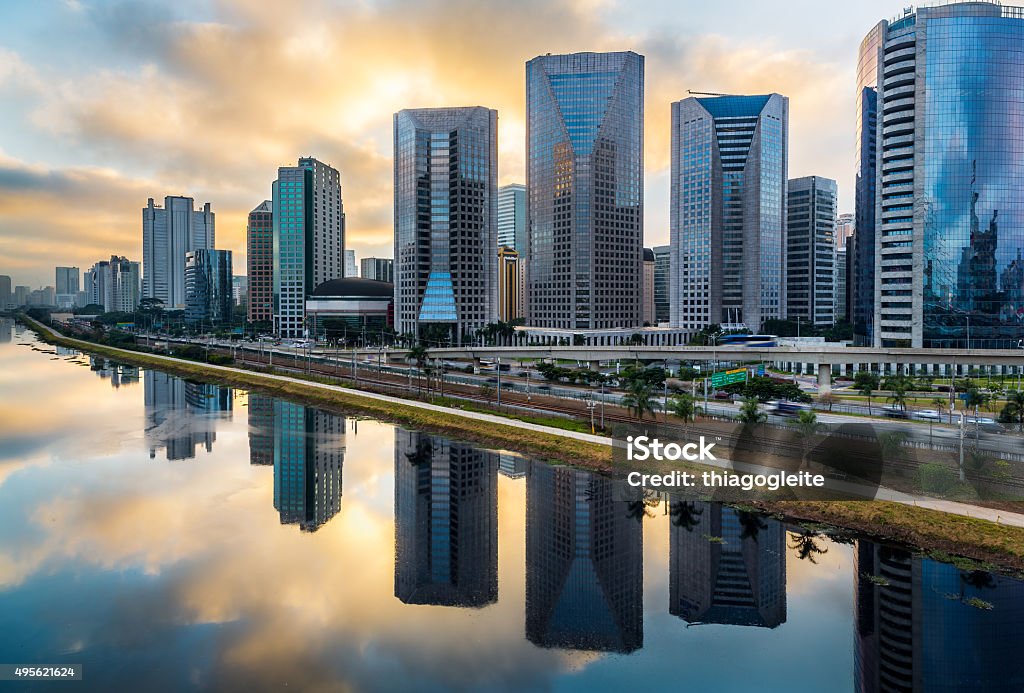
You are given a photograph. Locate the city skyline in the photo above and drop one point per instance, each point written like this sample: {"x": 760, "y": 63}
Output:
{"x": 171, "y": 142}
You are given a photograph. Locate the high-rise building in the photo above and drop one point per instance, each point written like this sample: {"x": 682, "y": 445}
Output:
{"x": 351, "y": 266}
{"x": 6, "y": 295}
{"x": 844, "y": 229}
{"x": 168, "y": 233}
{"x": 21, "y": 295}
{"x": 67, "y": 286}
{"x": 259, "y": 243}
{"x": 208, "y": 286}
{"x": 381, "y": 269}
{"x": 840, "y": 306}
{"x": 648, "y": 286}
{"x": 43, "y": 297}
{"x": 948, "y": 238}
{"x": 446, "y": 522}
{"x": 862, "y": 252}
{"x": 584, "y": 586}
{"x": 510, "y": 304}
{"x": 113, "y": 284}
{"x": 584, "y": 181}
{"x": 239, "y": 289}
{"x": 512, "y": 222}
{"x": 309, "y": 456}
{"x": 810, "y": 250}
{"x": 740, "y": 579}
{"x": 728, "y": 212}
{"x": 446, "y": 206}
{"x": 309, "y": 238}
{"x": 662, "y": 294}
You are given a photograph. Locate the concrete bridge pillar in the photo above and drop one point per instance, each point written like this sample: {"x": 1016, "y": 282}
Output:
{"x": 824, "y": 378}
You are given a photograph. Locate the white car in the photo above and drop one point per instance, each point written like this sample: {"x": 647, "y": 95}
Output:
{"x": 929, "y": 415}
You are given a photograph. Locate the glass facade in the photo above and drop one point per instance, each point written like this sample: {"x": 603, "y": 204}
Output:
{"x": 585, "y": 190}
{"x": 949, "y": 203}
{"x": 260, "y": 260}
{"x": 728, "y": 210}
{"x": 862, "y": 254}
{"x": 208, "y": 286}
{"x": 811, "y": 250}
{"x": 446, "y": 168}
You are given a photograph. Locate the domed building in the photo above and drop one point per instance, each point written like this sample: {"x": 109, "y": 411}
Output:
{"x": 345, "y": 308}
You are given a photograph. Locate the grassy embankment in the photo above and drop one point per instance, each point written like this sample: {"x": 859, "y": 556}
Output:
{"x": 938, "y": 532}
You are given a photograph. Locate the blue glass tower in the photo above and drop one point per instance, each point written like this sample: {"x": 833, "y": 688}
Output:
{"x": 584, "y": 139}
{"x": 949, "y": 172}
{"x": 446, "y": 222}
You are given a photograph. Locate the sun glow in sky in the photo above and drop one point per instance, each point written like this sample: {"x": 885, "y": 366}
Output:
{"x": 105, "y": 104}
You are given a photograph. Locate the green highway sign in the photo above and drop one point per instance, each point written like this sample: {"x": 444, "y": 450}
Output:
{"x": 723, "y": 378}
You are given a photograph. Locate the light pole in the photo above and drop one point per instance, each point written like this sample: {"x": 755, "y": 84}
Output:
{"x": 591, "y": 404}
{"x": 498, "y": 362}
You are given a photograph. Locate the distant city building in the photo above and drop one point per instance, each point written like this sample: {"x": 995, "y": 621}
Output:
{"x": 351, "y": 266}
{"x": 351, "y": 309}
{"x": 842, "y": 297}
{"x": 446, "y": 204}
{"x": 844, "y": 229}
{"x": 67, "y": 286}
{"x": 259, "y": 235}
{"x": 208, "y": 286}
{"x": 6, "y": 293}
{"x": 45, "y": 297}
{"x": 239, "y": 289}
{"x": 585, "y": 180}
{"x": 510, "y": 295}
{"x": 309, "y": 238}
{"x": 726, "y": 566}
{"x": 728, "y": 211}
{"x": 381, "y": 269}
{"x": 168, "y": 233}
{"x": 21, "y": 295}
{"x": 662, "y": 277}
{"x": 947, "y": 154}
{"x": 648, "y": 284}
{"x": 512, "y": 222}
{"x": 584, "y": 586}
{"x": 113, "y": 284}
{"x": 446, "y": 521}
{"x": 810, "y": 250}
{"x": 309, "y": 456}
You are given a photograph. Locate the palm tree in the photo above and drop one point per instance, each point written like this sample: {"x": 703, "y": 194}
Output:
{"x": 866, "y": 384}
{"x": 639, "y": 399}
{"x": 751, "y": 524}
{"x": 805, "y": 546}
{"x": 898, "y": 396}
{"x": 685, "y": 407}
{"x": 685, "y": 514}
{"x": 807, "y": 427}
{"x": 1014, "y": 408}
{"x": 417, "y": 354}
{"x": 750, "y": 413}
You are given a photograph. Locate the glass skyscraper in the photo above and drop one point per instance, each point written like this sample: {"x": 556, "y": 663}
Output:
{"x": 208, "y": 286}
{"x": 168, "y": 233}
{"x": 811, "y": 250}
{"x": 446, "y": 209}
{"x": 260, "y": 259}
{"x": 948, "y": 231}
{"x": 662, "y": 271}
{"x": 728, "y": 210}
{"x": 584, "y": 135}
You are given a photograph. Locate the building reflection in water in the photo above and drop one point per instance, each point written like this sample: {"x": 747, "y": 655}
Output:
{"x": 6, "y": 330}
{"x": 261, "y": 429}
{"x": 446, "y": 522}
{"x": 118, "y": 373}
{"x": 922, "y": 625}
{"x": 726, "y": 566}
{"x": 181, "y": 415}
{"x": 584, "y": 561}
{"x": 308, "y": 457}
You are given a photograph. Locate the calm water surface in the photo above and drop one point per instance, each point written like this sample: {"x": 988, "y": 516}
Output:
{"x": 169, "y": 534}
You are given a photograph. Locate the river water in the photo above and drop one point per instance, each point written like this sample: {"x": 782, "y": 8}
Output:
{"x": 174, "y": 535}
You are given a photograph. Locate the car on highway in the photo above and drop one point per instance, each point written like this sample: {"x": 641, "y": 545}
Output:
{"x": 984, "y": 423}
{"x": 787, "y": 408}
{"x": 929, "y": 415}
{"x": 894, "y": 412}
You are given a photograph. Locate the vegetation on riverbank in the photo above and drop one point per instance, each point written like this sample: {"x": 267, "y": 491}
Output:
{"x": 958, "y": 536}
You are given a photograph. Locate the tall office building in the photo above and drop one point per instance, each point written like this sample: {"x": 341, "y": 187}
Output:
{"x": 67, "y": 286}
{"x": 381, "y": 269}
{"x": 446, "y": 521}
{"x": 728, "y": 211}
{"x": 584, "y": 549}
{"x": 309, "y": 238}
{"x": 113, "y": 284}
{"x": 351, "y": 266}
{"x": 512, "y": 222}
{"x": 810, "y": 250}
{"x": 841, "y": 303}
{"x": 510, "y": 297}
{"x": 740, "y": 580}
{"x": 948, "y": 160}
{"x": 168, "y": 233}
{"x": 6, "y": 295}
{"x": 662, "y": 280}
{"x": 21, "y": 295}
{"x": 259, "y": 244}
{"x": 239, "y": 289}
{"x": 309, "y": 456}
{"x": 922, "y": 625}
{"x": 446, "y": 207}
{"x": 844, "y": 229}
{"x": 208, "y": 286}
{"x": 584, "y": 181}
{"x": 648, "y": 286}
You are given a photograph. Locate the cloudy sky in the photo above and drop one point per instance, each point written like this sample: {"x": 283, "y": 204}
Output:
{"x": 105, "y": 104}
